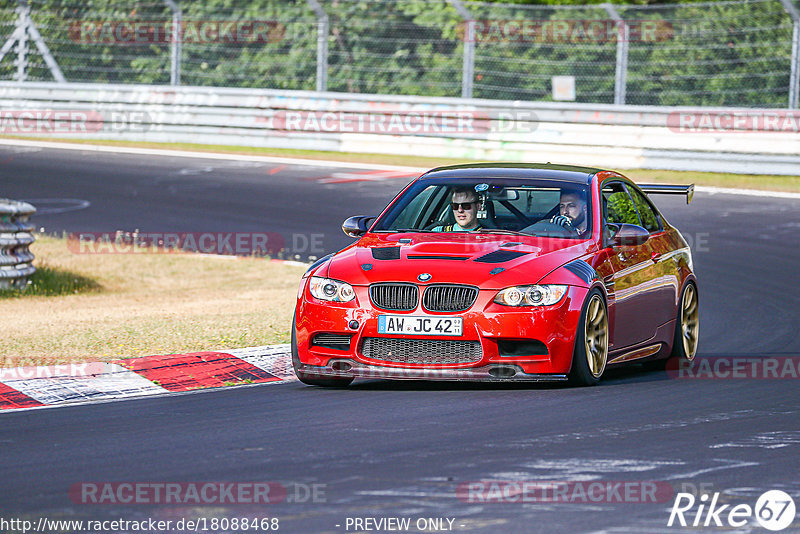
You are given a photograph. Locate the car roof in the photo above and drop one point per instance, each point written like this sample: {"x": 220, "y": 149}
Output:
{"x": 564, "y": 173}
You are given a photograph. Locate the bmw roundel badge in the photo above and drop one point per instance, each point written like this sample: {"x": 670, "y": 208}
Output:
{"x": 424, "y": 277}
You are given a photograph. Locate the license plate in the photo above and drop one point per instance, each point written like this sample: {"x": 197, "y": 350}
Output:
{"x": 420, "y": 325}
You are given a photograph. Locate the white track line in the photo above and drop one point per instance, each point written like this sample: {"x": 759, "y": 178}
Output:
{"x": 207, "y": 155}
{"x": 317, "y": 163}
{"x": 748, "y": 192}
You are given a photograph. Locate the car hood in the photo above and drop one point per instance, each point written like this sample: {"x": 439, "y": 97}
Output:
{"x": 489, "y": 261}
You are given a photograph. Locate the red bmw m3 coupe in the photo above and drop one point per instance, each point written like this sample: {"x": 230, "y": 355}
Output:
{"x": 501, "y": 272}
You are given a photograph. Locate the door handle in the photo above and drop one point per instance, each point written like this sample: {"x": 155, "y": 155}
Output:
{"x": 655, "y": 256}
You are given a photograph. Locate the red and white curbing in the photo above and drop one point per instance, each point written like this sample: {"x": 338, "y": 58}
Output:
{"x": 31, "y": 387}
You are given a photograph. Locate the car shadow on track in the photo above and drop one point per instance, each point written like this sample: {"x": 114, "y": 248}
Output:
{"x": 618, "y": 376}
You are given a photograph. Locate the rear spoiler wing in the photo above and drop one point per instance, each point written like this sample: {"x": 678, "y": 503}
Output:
{"x": 664, "y": 189}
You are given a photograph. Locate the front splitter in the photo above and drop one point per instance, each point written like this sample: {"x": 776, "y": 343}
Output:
{"x": 346, "y": 368}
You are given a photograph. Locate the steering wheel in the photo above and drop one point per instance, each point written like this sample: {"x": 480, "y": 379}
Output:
{"x": 547, "y": 229}
{"x": 434, "y": 225}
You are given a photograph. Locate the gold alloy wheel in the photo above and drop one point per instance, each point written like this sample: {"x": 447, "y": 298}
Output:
{"x": 690, "y": 323}
{"x": 596, "y": 336}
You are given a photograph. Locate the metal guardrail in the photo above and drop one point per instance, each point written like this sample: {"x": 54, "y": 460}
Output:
{"x": 723, "y": 52}
{"x": 16, "y": 261}
{"x": 589, "y": 134}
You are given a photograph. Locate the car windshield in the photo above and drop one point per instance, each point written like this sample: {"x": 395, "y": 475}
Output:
{"x": 545, "y": 208}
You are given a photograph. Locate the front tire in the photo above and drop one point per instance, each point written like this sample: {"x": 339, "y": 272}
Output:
{"x": 591, "y": 342}
{"x": 312, "y": 379}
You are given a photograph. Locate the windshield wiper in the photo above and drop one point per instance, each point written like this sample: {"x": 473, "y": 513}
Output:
{"x": 402, "y": 230}
{"x": 501, "y": 231}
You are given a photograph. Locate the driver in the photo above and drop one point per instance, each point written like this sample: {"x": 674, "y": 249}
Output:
{"x": 465, "y": 210}
{"x": 572, "y": 212}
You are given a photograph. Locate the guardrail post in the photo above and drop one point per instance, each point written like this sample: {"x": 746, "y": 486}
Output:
{"x": 23, "y": 28}
{"x": 794, "y": 76}
{"x": 16, "y": 261}
{"x": 177, "y": 39}
{"x": 623, "y": 36}
{"x": 468, "y": 65}
{"x": 323, "y": 29}
{"x": 794, "y": 73}
{"x": 23, "y": 10}
{"x": 9, "y": 44}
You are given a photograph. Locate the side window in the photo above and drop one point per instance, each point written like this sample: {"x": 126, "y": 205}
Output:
{"x": 619, "y": 207}
{"x": 417, "y": 213}
{"x": 649, "y": 219}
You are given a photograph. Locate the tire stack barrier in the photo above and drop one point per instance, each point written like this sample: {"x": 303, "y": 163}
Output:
{"x": 16, "y": 235}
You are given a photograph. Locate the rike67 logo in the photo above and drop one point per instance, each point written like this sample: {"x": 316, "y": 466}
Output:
{"x": 774, "y": 510}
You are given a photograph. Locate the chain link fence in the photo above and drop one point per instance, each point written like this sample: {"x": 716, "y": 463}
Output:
{"x": 727, "y": 53}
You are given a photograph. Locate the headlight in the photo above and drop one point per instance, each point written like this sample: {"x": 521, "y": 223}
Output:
{"x": 545, "y": 295}
{"x": 333, "y": 290}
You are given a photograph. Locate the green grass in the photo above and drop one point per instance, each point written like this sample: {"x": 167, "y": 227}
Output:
{"x": 764, "y": 182}
{"x": 103, "y": 307}
{"x": 52, "y": 282}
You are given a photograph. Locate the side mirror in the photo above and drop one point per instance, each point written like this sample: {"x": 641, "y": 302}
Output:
{"x": 356, "y": 226}
{"x": 628, "y": 235}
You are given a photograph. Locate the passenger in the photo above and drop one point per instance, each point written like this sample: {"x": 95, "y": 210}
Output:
{"x": 573, "y": 214}
{"x": 465, "y": 210}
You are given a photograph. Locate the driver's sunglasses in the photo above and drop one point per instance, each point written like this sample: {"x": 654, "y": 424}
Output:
{"x": 466, "y": 206}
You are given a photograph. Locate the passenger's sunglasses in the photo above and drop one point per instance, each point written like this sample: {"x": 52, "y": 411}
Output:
{"x": 466, "y": 206}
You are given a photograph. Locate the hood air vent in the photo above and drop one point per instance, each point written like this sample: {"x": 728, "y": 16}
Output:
{"x": 432, "y": 257}
{"x": 386, "y": 253}
{"x": 500, "y": 256}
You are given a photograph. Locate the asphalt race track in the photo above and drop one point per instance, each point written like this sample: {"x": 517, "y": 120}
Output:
{"x": 304, "y": 204}
{"x": 396, "y": 449}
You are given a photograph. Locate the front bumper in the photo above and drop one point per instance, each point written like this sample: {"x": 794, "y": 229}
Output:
{"x": 501, "y": 372}
{"x": 492, "y": 325}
